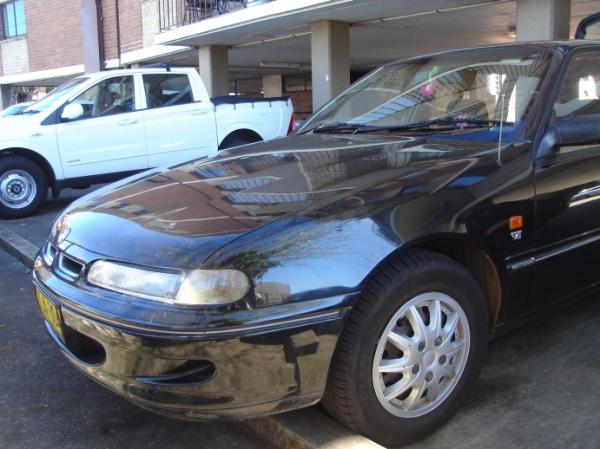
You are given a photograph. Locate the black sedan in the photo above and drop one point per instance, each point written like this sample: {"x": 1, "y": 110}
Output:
{"x": 363, "y": 262}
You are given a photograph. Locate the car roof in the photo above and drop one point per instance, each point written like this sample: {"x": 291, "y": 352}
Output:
{"x": 149, "y": 70}
{"x": 563, "y": 45}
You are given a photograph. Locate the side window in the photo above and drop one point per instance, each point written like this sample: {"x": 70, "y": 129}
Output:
{"x": 580, "y": 89}
{"x": 167, "y": 89}
{"x": 108, "y": 97}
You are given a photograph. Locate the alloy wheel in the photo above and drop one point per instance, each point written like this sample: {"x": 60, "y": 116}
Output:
{"x": 17, "y": 189}
{"x": 421, "y": 355}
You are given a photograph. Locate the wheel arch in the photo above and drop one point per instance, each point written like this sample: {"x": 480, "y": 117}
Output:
{"x": 244, "y": 133}
{"x": 467, "y": 253}
{"x": 35, "y": 157}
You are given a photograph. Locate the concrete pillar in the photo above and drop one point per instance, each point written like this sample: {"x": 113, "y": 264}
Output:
{"x": 214, "y": 69}
{"x": 543, "y": 19}
{"x": 90, "y": 36}
{"x": 4, "y": 97}
{"x": 330, "y": 53}
{"x": 272, "y": 85}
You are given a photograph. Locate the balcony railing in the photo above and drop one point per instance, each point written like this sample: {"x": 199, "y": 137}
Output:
{"x": 176, "y": 13}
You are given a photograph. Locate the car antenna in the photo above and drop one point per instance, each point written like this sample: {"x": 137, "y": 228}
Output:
{"x": 501, "y": 128}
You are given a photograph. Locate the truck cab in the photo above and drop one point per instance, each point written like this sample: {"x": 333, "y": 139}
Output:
{"x": 103, "y": 126}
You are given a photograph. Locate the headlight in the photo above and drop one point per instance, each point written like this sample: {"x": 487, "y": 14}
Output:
{"x": 196, "y": 287}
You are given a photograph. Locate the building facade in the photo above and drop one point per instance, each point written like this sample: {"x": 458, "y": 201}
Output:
{"x": 308, "y": 49}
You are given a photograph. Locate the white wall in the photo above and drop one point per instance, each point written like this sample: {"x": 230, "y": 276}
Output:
{"x": 15, "y": 56}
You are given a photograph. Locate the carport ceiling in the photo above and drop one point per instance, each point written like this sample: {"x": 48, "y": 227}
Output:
{"x": 374, "y": 43}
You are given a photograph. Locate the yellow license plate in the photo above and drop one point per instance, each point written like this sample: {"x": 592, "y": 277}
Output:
{"x": 50, "y": 312}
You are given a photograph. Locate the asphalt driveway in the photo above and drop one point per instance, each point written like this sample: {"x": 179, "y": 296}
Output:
{"x": 37, "y": 227}
{"x": 46, "y": 403}
{"x": 540, "y": 386}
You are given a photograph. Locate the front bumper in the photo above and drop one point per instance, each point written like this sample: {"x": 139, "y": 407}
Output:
{"x": 258, "y": 368}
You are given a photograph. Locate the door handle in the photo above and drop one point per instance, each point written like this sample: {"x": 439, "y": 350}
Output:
{"x": 199, "y": 111}
{"x": 127, "y": 122}
{"x": 586, "y": 193}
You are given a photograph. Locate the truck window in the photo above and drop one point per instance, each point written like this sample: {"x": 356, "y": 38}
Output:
{"x": 580, "y": 89}
{"x": 108, "y": 97}
{"x": 167, "y": 89}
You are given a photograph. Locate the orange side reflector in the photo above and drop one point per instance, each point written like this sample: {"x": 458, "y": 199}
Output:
{"x": 515, "y": 222}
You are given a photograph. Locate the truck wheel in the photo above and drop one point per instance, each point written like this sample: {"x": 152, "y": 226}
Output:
{"x": 410, "y": 349}
{"x": 23, "y": 187}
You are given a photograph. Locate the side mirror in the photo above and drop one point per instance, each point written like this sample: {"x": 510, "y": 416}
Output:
{"x": 72, "y": 111}
{"x": 576, "y": 130}
{"x": 589, "y": 28}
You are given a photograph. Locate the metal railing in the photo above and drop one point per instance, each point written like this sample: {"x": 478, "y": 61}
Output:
{"x": 176, "y": 13}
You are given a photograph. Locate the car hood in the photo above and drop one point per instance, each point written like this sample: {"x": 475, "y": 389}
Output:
{"x": 177, "y": 217}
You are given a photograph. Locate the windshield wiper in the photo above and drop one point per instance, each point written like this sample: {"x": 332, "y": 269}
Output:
{"x": 28, "y": 112}
{"x": 439, "y": 124}
{"x": 435, "y": 124}
{"x": 340, "y": 127}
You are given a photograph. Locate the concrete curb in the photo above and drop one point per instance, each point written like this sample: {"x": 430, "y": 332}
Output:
{"x": 17, "y": 246}
{"x": 307, "y": 429}
{"x": 302, "y": 429}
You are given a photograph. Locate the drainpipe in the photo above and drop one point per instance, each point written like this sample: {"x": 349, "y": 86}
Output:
{"x": 100, "y": 25}
{"x": 118, "y": 25}
{"x": 90, "y": 36}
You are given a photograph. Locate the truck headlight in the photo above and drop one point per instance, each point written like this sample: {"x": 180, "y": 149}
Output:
{"x": 196, "y": 287}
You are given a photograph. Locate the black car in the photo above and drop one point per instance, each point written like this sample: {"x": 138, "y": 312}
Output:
{"x": 364, "y": 262}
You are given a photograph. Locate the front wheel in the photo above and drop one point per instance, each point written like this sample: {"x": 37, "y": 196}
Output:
{"x": 23, "y": 187}
{"x": 411, "y": 347}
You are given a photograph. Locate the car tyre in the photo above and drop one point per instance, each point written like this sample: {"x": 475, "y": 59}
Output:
{"x": 385, "y": 349}
{"x": 23, "y": 187}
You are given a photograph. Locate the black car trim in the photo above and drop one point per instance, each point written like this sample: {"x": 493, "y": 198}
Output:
{"x": 238, "y": 331}
{"x": 83, "y": 181}
{"x": 545, "y": 255}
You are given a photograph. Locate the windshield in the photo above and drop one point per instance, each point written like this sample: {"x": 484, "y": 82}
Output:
{"x": 15, "y": 109}
{"x": 57, "y": 94}
{"x": 465, "y": 89}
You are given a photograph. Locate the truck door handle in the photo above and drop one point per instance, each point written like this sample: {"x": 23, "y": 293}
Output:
{"x": 127, "y": 122}
{"x": 199, "y": 111}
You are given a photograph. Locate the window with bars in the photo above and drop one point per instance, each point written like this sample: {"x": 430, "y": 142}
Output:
{"x": 13, "y": 19}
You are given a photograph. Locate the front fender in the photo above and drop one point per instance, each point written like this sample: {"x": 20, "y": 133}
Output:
{"x": 331, "y": 249}
{"x": 44, "y": 147}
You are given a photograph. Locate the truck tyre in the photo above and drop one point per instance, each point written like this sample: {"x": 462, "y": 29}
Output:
{"x": 412, "y": 345}
{"x": 23, "y": 187}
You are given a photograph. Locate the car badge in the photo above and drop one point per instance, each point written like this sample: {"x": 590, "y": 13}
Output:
{"x": 62, "y": 235}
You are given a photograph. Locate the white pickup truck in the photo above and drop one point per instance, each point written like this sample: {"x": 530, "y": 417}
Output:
{"x": 103, "y": 126}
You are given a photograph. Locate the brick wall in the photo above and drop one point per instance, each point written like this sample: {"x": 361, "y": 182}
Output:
{"x": 53, "y": 33}
{"x": 130, "y": 18}
{"x": 302, "y": 102}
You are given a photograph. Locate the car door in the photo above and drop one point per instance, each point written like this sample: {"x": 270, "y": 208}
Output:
{"x": 567, "y": 256}
{"x": 178, "y": 128}
{"x": 109, "y": 136}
